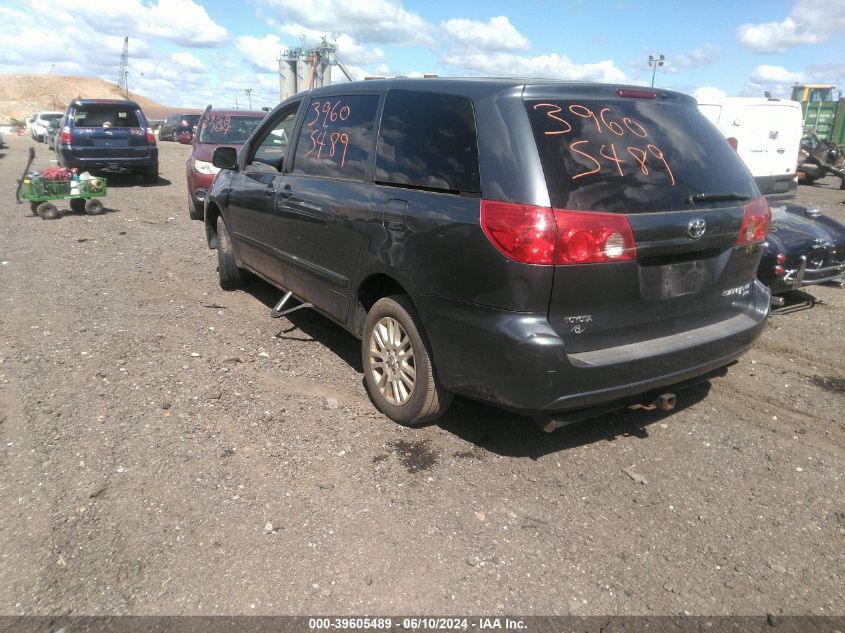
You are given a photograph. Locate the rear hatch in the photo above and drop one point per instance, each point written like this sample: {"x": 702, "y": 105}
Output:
{"x": 650, "y": 202}
{"x": 108, "y": 131}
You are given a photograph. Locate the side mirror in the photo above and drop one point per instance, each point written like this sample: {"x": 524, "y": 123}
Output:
{"x": 225, "y": 158}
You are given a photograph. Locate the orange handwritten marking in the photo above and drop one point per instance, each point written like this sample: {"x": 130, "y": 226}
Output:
{"x": 551, "y": 114}
{"x": 628, "y": 123}
{"x": 640, "y": 155}
{"x": 585, "y": 113}
{"x": 344, "y": 138}
{"x": 316, "y": 106}
{"x": 613, "y": 158}
{"x": 348, "y": 112}
{"x": 585, "y": 155}
{"x": 613, "y": 126}
{"x": 658, "y": 153}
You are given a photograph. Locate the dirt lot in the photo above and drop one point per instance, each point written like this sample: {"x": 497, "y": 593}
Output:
{"x": 168, "y": 448}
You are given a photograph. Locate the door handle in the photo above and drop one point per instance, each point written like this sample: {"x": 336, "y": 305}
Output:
{"x": 269, "y": 192}
{"x": 286, "y": 192}
{"x": 781, "y": 150}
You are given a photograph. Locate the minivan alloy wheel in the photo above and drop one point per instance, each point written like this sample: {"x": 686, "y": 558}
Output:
{"x": 392, "y": 361}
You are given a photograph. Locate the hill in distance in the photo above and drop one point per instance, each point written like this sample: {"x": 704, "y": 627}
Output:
{"x": 23, "y": 95}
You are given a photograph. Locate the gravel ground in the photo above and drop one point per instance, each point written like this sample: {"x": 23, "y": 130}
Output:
{"x": 167, "y": 448}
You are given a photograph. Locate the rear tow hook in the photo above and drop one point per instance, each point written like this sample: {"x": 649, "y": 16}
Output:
{"x": 664, "y": 402}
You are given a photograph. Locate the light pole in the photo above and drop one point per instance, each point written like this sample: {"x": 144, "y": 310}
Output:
{"x": 248, "y": 92}
{"x": 654, "y": 62}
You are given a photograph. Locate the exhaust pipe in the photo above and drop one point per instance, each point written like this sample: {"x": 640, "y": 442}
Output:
{"x": 666, "y": 401}
{"x": 777, "y": 301}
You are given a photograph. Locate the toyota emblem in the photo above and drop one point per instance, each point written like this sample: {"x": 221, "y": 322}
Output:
{"x": 696, "y": 228}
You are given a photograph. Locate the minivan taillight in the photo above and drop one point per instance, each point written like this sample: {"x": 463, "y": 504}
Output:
{"x": 151, "y": 137}
{"x": 592, "y": 237}
{"x": 523, "y": 232}
{"x": 64, "y": 138}
{"x": 540, "y": 235}
{"x": 757, "y": 218}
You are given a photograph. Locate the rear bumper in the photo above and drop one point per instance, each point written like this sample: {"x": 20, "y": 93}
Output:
{"x": 778, "y": 188}
{"x": 109, "y": 164}
{"x": 518, "y": 362}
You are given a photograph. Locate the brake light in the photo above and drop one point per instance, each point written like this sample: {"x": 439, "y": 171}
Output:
{"x": 591, "y": 237}
{"x": 634, "y": 93}
{"x": 151, "y": 138}
{"x": 757, "y": 218}
{"x": 64, "y": 137}
{"x": 540, "y": 235}
{"x": 525, "y": 233}
{"x": 733, "y": 143}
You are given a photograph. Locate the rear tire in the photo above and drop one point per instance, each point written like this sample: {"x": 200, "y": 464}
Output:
{"x": 77, "y": 205}
{"x": 196, "y": 213}
{"x": 151, "y": 176}
{"x": 94, "y": 207}
{"x": 33, "y": 206}
{"x": 231, "y": 277}
{"x": 48, "y": 211}
{"x": 398, "y": 371}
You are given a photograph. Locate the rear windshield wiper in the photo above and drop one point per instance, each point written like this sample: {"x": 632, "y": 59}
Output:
{"x": 716, "y": 197}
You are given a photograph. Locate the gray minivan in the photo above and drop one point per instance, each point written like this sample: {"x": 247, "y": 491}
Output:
{"x": 556, "y": 249}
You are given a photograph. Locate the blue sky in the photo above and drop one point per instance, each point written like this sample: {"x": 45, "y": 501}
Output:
{"x": 192, "y": 52}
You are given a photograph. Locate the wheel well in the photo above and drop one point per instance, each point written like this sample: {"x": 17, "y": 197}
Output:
{"x": 371, "y": 290}
{"x": 211, "y": 215}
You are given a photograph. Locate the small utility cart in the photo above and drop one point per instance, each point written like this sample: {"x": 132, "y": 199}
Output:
{"x": 41, "y": 191}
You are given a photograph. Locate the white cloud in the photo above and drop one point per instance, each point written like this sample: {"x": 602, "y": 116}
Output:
{"x": 376, "y": 21}
{"x": 809, "y": 22}
{"x": 551, "y": 66}
{"x": 703, "y": 56}
{"x": 188, "y": 62}
{"x": 261, "y": 52}
{"x": 766, "y": 74}
{"x": 708, "y": 94}
{"x": 497, "y": 34}
{"x": 181, "y": 21}
{"x": 752, "y": 89}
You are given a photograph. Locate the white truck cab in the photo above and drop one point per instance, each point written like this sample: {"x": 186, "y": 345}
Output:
{"x": 766, "y": 133}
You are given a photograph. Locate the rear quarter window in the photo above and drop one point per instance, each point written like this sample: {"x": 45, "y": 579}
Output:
{"x": 428, "y": 141}
{"x": 336, "y": 138}
{"x": 632, "y": 155}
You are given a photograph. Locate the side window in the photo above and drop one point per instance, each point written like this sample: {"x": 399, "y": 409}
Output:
{"x": 271, "y": 148}
{"x": 428, "y": 141}
{"x": 337, "y": 136}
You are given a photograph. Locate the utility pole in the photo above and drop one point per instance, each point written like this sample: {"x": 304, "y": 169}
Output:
{"x": 123, "y": 72}
{"x": 654, "y": 62}
{"x": 248, "y": 92}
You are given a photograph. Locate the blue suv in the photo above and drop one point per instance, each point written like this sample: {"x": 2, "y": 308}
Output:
{"x": 107, "y": 135}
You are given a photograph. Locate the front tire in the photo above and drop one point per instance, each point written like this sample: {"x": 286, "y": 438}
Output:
{"x": 48, "y": 211}
{"x": 195, "y": 212}
{"x": 398, "y": 371}
{"x": 93, "y": 206}
{"x": 231, "y": 277}
{"x": 77, "y": 205}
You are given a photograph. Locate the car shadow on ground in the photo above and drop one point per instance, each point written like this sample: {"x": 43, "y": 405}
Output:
{"x": 487, "y": 427}
{"x": 121, "y": 181}
{"x": 795, "y": 301}
{"x": 308, "y": 327}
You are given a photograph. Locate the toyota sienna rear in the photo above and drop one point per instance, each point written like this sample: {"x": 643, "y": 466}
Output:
{"x": 555, "y": 249}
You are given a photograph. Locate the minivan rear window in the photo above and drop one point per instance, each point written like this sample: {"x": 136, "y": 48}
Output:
{"x": 110, "y": 115}
{"x": 428, "y": 141}
{"x": 632, "y": 156}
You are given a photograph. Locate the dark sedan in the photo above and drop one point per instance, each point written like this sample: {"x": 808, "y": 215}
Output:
{"x": 803, "y": 248}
